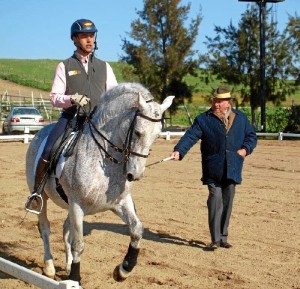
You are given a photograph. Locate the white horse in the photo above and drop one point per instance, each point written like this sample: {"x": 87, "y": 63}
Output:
{"x": 111, "y": 153}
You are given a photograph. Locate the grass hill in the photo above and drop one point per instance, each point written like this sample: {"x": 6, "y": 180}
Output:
{"x": 38, "y": 73}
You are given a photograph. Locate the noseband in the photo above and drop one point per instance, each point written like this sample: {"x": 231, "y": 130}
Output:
{"x": 126, "y": 150}
{"x": 128, "y": 139}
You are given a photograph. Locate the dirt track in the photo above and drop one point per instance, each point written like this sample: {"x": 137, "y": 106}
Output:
{"x": 171, "y": 203}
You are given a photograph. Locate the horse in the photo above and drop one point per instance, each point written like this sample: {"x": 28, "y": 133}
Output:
{"x": 98, "y": 176}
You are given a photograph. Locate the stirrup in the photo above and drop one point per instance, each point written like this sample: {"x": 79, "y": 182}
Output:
{"x": 34, "y": 204}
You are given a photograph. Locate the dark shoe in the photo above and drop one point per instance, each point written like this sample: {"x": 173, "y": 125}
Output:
{"x": 225, "y": 245}
{"x": 213, "y": 245}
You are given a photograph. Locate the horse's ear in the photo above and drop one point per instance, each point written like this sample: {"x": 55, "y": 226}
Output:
{"x": 142, "y": 103}
{"x": 167, "y": 103}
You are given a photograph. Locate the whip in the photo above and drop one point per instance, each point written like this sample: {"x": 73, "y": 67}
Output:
{"x": 163, "y": 160}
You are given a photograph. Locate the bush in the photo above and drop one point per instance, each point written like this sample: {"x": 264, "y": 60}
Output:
{"x": 278, "y": 119}
{"x": 294, "y": 120}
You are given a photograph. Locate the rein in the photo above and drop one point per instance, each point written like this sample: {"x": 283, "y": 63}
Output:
{"x": 126, "y": 146}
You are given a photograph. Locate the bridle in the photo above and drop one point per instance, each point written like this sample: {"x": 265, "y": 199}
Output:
{"x": 126, "y": 149}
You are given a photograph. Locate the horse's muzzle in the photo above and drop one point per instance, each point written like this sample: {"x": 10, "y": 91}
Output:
{"x": 132, "y": 175}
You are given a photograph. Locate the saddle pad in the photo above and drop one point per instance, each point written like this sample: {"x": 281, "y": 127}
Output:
{"x": 61, "y": 162}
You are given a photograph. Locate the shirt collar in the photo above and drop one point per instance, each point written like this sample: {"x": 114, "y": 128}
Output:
{"x": 85, "y": 59}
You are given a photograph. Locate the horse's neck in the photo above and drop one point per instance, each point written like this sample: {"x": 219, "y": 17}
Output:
{"x": 109, "y": 122}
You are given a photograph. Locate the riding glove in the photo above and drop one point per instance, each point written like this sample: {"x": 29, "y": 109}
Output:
{"x": 79, "y": 99}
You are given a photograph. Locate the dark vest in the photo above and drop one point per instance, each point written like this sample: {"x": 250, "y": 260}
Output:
{"x": 91, "y": 84}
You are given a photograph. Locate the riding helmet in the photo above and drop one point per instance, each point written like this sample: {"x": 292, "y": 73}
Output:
{"x": 83, "y": 25}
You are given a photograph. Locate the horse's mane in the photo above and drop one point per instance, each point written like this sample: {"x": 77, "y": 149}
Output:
{"x": 126, "y": 88}
{"x": 121, "y": 98}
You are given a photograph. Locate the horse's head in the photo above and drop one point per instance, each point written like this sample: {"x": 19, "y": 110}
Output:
{"x": 129, "y": 121}
{"x": 144, "y": 129}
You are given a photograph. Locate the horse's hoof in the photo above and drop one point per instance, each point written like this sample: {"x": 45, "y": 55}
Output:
{"x": 71, "y": 284}
{"x": 120, "y": 274}
{"x": 49, "y": 269}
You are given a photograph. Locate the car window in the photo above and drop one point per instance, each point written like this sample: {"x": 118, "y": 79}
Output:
{"x": 31, "y": 111}
{"x": 17, "y": 111}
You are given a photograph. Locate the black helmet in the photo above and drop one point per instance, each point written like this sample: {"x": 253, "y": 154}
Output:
{"x": 83, "y": 25}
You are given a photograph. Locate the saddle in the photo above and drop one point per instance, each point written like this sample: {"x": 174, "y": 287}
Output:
{"x": 65, "y": 144}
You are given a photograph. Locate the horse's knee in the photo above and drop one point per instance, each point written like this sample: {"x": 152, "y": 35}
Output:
{"x": 140, "y": 230}
{"x": 136, "y": 233}
{"x": 43, "y": 223}
{"x": 77, "y": 249}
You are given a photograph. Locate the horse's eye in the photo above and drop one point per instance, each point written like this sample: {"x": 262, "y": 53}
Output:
{"x": 138, "y": 134}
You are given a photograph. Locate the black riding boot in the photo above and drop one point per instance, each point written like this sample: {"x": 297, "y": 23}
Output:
{"x": 41, "y": 170}
{"x": 34, "y": 203}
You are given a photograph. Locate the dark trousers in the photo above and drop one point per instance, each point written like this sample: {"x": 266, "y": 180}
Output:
{"x": 219, "y": 204}
{"x": 59, "y": 128}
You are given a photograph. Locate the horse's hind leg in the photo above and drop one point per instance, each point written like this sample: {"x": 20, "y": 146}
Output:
{"x": 76, "y": 239}
{"x": 126, "y": 211}
{"x": 44, "y": 229}
{"x": 66, "y": 234}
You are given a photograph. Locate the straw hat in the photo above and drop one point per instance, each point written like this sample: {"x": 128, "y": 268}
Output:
{"x": 222, "y": 92}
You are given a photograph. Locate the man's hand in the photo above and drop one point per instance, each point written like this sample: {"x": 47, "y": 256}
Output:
{"x": 242, "y": 152}
{"x": 79, "y": 99}
{"x": 175, "y": 155}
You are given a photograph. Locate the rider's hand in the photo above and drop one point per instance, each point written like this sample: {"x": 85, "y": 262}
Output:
{"x": 79, "y": 99}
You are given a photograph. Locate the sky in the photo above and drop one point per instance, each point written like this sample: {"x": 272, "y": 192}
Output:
{"x": 40, "y": 29}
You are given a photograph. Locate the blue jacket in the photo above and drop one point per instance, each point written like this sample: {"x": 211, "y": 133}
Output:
{"x": 219, "y": 148}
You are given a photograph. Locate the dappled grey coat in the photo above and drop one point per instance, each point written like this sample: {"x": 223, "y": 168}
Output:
{"x": 219, "y": 147}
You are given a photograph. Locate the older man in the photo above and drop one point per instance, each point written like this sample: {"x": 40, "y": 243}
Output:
{"x": 227, "y": 138}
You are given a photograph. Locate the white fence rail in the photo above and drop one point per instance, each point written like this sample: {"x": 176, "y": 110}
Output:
{"x": 34, "y": 278}
{"x": 167, "y": 135}
{"x": 24, "y": 137}
{"x": 279, "y": 135}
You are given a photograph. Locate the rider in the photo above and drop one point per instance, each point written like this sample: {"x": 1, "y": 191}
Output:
{"x": 78, "y": 80}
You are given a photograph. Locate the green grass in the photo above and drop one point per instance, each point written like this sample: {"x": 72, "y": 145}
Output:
{"x": 33, "y": 73}
{"x": 39, "y": 74}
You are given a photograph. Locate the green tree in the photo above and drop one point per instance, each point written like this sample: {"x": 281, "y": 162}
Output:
{"x": 160, "y": 49}
{"x": 292, "y": 33}
{"x": 233, "y": 55}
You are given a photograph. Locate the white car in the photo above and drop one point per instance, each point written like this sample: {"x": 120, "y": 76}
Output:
{"x": 23, "y": 120}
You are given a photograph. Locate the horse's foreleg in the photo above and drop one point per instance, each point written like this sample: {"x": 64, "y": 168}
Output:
{"x": 126, "y": 211}
{"x": 44, "y": 229}
{"x": 68, "y": 251}
{"x": 76, "y": 239}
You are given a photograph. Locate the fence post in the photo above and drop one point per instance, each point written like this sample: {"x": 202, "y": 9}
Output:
{"x": 280, "y": 136}
{"x": 32, "y": 98}
{"x": 45, "y": 108}
{"x": 168, "y": 135}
